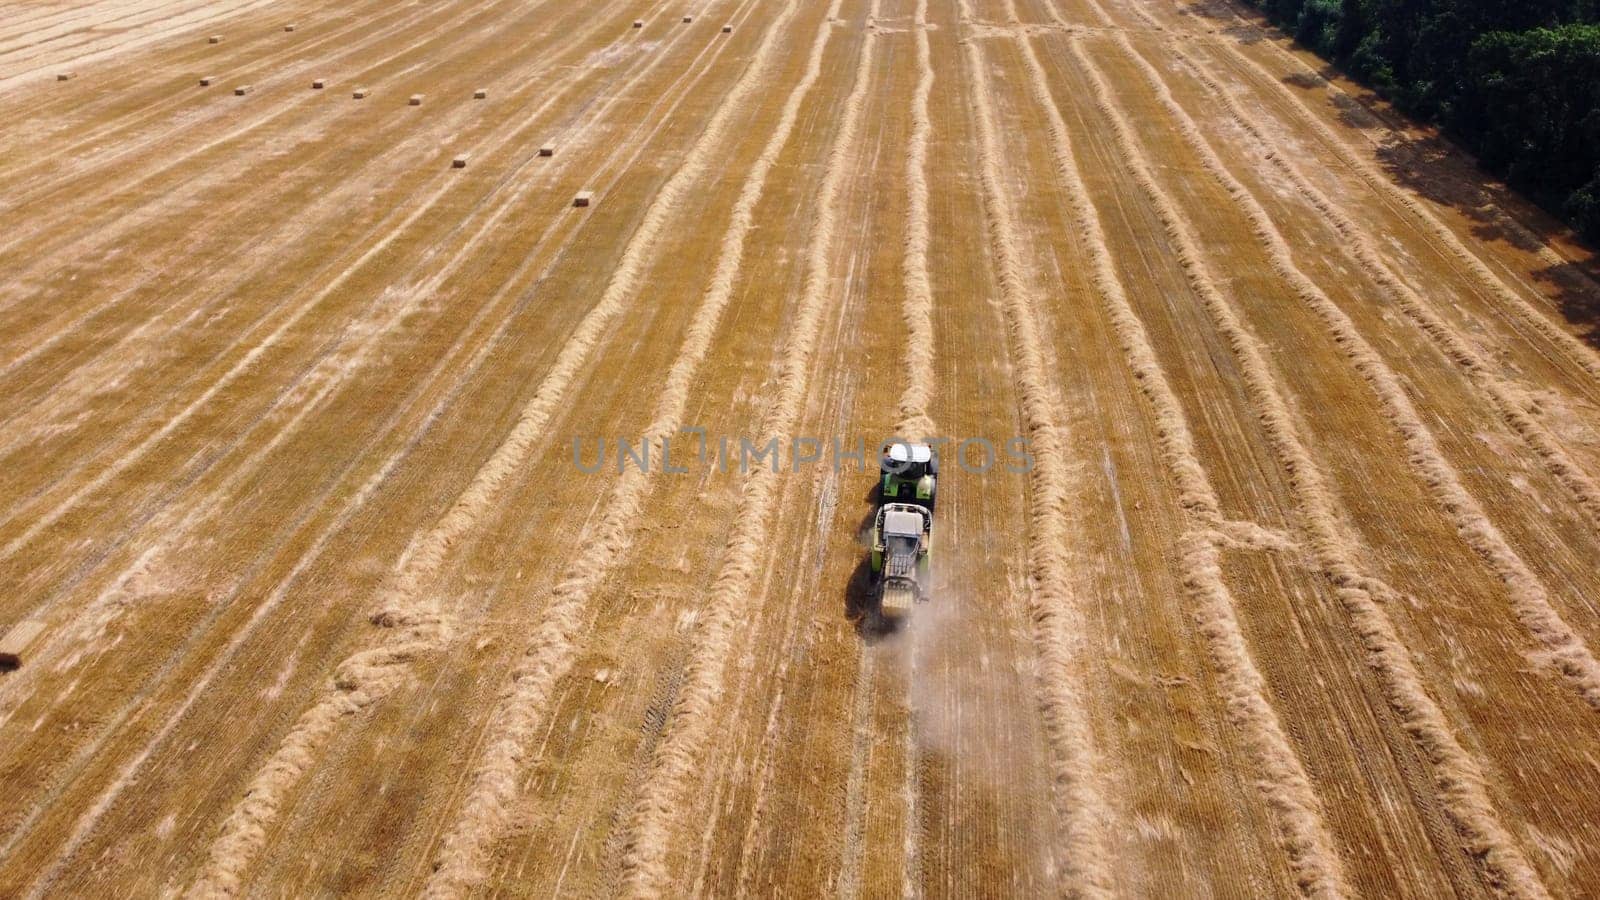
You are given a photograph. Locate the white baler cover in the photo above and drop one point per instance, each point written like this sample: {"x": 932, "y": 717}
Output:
{"x": 902, "y": 522}
{"x": 901, "y": 452}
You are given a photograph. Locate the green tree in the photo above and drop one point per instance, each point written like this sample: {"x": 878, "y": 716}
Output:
{"x": 1531, "y": 107}
{"x": 1320, "y": 24}
{"x": 1517, "y": 82}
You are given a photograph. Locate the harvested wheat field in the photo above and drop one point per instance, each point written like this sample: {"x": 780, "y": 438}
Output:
{"x": 1266, "y": 551}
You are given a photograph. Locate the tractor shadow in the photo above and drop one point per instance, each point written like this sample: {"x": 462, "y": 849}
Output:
{"x": 860, "y": 597}
{"x": 861, "y": 607}
{"x": 873, "y": 499}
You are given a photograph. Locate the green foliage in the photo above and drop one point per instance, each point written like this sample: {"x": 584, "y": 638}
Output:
{"x": 1367, "y": 62}
{"x": 1517, "y": 82}
{"x": 1531, "y": 102}
{"x": 1583, "y": 208}
{"x": 1319, "y": 25}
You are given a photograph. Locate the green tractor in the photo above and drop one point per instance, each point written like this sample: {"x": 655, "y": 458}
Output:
{"x": 910, "y": 474}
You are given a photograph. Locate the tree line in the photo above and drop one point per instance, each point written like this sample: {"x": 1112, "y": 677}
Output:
{"x": 1516, "y": 82}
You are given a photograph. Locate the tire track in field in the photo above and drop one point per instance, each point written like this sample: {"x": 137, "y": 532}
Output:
{"x": 1530, "y": 599}
{"x": 1510, "y": 400}
{"x": 1055, "y": 613}
{"x": 855, "y": 803}
{"x": 112, "y": 602}
{"x": 1457, "y": 774}
{"x": 1286, "y": 787}
{"x": 1574, "y": 349}
{"x": 406, "y": 605}
{"x": 555, "y": 644}
{"x": 656, "y": 812}
{"x": 912, "y": 790}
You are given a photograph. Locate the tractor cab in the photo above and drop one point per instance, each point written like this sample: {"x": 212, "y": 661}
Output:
{"x": 910, "y": 474}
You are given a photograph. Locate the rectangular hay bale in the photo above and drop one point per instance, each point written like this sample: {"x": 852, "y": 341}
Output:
{"x": 241, "y": 90}
{"x": 63, "y": 76}
{"x": 460, "y": 162}
{"x": 359, "y": 93}
{"x": 289, "y": 27}
{"x": 638, "y": 23}
{"x": 214, "y": 39}
{"x": 688, "y": 19}
{"x": 16, "y": 640}
{"x": 727, "y": 29}
{"x": 584, "y": 198}
{"x": 318, "y": 84}
{"x": 480, "y": 94}
{"x": 547, "y": 150}
{"x": 416, "y": 100}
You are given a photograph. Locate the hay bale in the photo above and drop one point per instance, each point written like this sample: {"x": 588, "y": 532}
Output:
{"x": 206, "y": 80}
{"x": 416, "y": 100}
{"x": 289, "y": 27}
{"x": 214, "y": 39}
{"x": 460, "y": 162}
{"x": 688, "y": 19}
{"x": 241, "y": 90}
{"x": 727, "y": 29}
{"x": 547, "y": 150}
{"x": 318, "y": 84}
{"x": 480, "y": 94}
{"x": 359, "y": 93}
{"x": 63, "y": 76}
{"x": 16, "y": 641}
{"x": 584, "y": 198}
{"x": 638, "y": 23}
